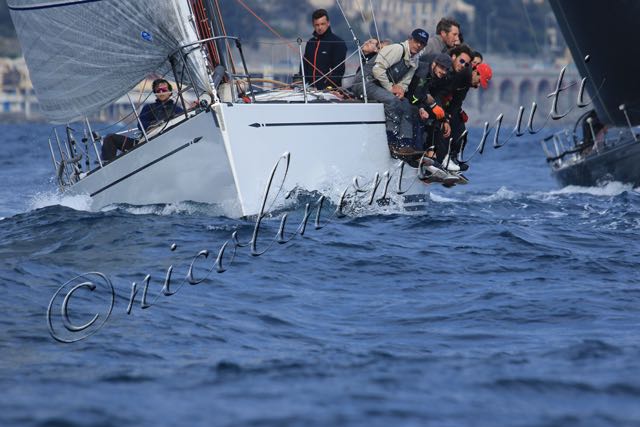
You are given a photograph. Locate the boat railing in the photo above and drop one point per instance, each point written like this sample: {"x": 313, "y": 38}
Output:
{"x": 73, "y": 160}
{"x": 68, "y": 162}
{"x": 215, "y": 73}
{"x": 242, "y": 83}
{"x": 564, "y": 150}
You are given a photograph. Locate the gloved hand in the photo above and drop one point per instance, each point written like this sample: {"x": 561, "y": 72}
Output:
{"x": 438, "y": 112}
{"x": 464, "y": 116}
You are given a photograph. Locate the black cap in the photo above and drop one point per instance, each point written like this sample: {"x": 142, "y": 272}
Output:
{"x": 443, "y": 60}
{"x": 420, "y": 35}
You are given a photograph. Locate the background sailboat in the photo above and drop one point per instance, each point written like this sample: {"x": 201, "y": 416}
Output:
{"x": 604, "y": 146}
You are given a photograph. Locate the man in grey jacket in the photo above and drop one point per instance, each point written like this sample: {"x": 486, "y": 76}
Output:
{"x": 387, "y": 79}
{"x": 447, "y": 36}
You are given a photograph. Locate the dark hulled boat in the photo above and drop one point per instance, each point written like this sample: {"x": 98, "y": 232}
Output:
{"x": 604, "y": 144}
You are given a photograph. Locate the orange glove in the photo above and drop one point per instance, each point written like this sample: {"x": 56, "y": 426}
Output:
{"x": 438, "y": 112}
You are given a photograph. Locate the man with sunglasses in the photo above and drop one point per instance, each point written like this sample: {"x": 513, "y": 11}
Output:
{"x": 460, "y": 79}
{"x": 473, "y": 76}
{"x": 161, "y": 111}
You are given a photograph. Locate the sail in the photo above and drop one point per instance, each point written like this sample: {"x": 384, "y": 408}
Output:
{"x": 606, "y": 32}
{"x": 84, "y": 54}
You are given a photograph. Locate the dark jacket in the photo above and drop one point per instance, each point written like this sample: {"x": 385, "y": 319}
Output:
{"x": 425, "y": 83}
{"x": 159, "y": 112}
{"x": 325, "y": 52}
{"x": 460, "y": 85}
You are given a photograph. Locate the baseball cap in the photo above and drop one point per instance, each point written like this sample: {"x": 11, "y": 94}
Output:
{"x": 485, "y": 72}
{"x": 443, "y": 60}
{"x": 420, "y": 35}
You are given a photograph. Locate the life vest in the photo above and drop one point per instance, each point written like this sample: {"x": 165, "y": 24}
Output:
{"x": 395, "y": 72}
{"x": 398, "y": 70}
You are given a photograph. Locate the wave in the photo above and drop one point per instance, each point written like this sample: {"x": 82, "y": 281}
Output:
{"x": 169, "y": 209}
{"x": 503, "y": 193}
{"x": 612, "y": 188}
{"x": 54, "y": 198}
{"x": 438, "y": 198}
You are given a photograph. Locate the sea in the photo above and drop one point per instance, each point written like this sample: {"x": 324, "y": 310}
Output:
{"x": 510, "y": 301}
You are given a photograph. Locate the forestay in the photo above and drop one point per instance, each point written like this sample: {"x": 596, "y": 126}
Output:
{"x": 84, "y": 54}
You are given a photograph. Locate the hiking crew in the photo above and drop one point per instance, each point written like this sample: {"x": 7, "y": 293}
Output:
{"x": 387, "y": 79}
{"x": 422, "y": 83}
{"x": 428, "y": 90}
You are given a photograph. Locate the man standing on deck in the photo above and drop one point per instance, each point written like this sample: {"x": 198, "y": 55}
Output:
{"x": 324, "y": 54}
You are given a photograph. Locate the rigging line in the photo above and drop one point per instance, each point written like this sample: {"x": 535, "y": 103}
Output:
{"x": 323, "y": 76}
{"x": 226, "y": 42}
{"x": 144, "y": 87}
{"x": 364, "y": 20}
{"x": 375, "y": 24}
{"x": 531, "y": 30}
{"x": 289, "y": 45}
{"x": 204, "y": 31}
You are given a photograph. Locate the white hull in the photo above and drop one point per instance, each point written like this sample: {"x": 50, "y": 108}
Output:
{"x": 225, "y": 157}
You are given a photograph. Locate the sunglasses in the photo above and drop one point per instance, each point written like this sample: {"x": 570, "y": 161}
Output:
{"x": 162, "y": 90}
{"x": 463, "y": 62}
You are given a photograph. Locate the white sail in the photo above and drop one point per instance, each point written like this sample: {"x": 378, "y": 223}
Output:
{"x": 84, "y": 54}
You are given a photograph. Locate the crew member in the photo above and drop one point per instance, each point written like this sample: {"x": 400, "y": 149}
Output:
{"x": 152, "y": 114}
{"x": 447, "y": 36}
{"x": 387, "y": 79}
{"x": 324, "y": 55}
{"x": 427, "y": 93}
{"x": 460, "y": 82}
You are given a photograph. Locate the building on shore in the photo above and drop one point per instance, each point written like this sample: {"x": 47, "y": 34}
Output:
{"x": 16, "y": 91}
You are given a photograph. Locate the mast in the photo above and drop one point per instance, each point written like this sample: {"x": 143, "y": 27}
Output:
{"x": 209, "y": 24}
{"x": 217, "y": 25}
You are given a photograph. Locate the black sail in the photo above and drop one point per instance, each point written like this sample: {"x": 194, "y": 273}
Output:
{"x": 607, "y": 32}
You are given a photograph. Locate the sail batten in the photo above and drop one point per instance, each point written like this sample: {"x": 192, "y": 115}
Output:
{"x": 83, "y": 55}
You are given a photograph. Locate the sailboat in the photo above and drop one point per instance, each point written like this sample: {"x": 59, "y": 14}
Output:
{"x": 604, "y": 144}
{"x": 85, "y": 54}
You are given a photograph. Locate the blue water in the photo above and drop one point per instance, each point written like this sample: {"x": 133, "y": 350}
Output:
{"x": 509, "y": 301}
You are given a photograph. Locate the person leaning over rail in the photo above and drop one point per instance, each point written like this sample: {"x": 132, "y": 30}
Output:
{"x": 474, "y": 77}
{"x": 447, "y": 36}
{"x": 324, "y": 54}
{"x": 427, "y": 93}
{"x": 476, "y": 58}
{"x": 370, "y": 49}
{"x": 387, "y": 79}
{"x": 460, "y": 78}
{"x": 162, "y": 110}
